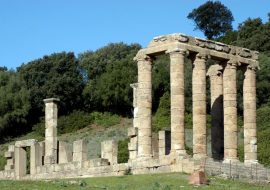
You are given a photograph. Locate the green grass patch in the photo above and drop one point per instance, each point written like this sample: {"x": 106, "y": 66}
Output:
{"x": 173, "y": 181}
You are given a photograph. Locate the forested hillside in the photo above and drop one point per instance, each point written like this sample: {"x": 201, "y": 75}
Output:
{"x": 99, "y": 81}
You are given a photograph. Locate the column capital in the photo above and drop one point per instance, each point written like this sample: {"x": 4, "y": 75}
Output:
{"x": 51, "y": 100}
{"x": 252, "y": 67}
{"x": 177, "y": 51}
{"x": 214, "y": 70}
{"x": 232, "y": 63}
{"x": 142, "y": 57}
{"x": 202, "y": 56}
{"x": 134, "y": 85}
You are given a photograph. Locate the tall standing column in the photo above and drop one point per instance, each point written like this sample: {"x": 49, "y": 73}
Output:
{"x": 199, "y": 106}
{"x": 51, "y": 114}
{"x": 250, "y": 128}
{"x": 144, "y": 105}
{"x": 217, "y": 132}
{"x": 230, "y": 111}
{"x": 177, "y": 57}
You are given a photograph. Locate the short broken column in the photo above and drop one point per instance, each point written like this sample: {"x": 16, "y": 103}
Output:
{"x": 199, "y": 106}
{"x": 65, "y": 152}
{"x": 80, "y": 151}
{"x": 230, "y": 111}
{"x": 109, "y": 150}
{"x": 20, "y": 161}
{"x": 144, "y": 103}
{"x": 35, "y": 157}
{"x": 133, "y": 143}
{"x": 177, "y": 58}
{"x": 217, "y": 132}
{"x": 9, "y": 155}
{"x": 51, "y": 114}
{"x": 250, "y": 128}
{"x": 164, "y": 142}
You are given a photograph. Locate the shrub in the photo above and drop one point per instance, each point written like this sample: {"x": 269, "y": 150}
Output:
{"x": 105, "y": 119}
{"x": 123, "y": 154}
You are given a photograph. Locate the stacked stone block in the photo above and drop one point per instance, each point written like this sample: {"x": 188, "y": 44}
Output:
{"x": 177, "y": 57}
{"x": 199, "y": 106}
{"x": 9, "y": 155}
{"x": 65, "y": 152}
{"x": 132, "y": 145}
{"x": 250, "y": 128}
{"x": 144, "y": 104}
{"x": 80, "y": 150}
{"x": 51, "y": 115}
{"x": 164, "y": 142}
{"x": 109, "y": 150}
{"x": 217, "y": 132}
{"x": 230, "y": 111}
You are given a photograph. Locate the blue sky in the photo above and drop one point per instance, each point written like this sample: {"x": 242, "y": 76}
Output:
{"x": 30, "y": 29}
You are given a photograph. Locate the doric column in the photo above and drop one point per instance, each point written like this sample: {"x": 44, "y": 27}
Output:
{"x": 51, "y": 114}
{"x": 217, "y": 133}
{"x": 177, "y": 57}
{"x": 230, "y": 111}
{"x": 144, "y": 105}
{"x": 199, "y": 106}
{"x": 250, "y": 129}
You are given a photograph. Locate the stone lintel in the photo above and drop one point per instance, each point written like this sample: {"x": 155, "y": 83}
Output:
{"x": 203, "y": 44}
{"x": 25, "y": 143}
{"x": 51, "y": 100}
{"x": 153, "y": 51}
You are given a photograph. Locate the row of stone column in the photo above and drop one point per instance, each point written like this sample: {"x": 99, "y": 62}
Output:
{"x": 223, "y": 104}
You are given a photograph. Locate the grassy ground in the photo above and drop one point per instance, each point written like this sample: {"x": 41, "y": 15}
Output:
{"x": 131, "y": 182}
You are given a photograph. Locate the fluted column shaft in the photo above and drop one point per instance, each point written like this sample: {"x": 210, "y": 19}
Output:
{"x": 217, "y": 132}
{"x": 230, "y": 111}
{"x": 199, "y": 106}
{"x": 177, "y": 58}
{"x": 144, "y": 105}
{"x": 250, "y": 128}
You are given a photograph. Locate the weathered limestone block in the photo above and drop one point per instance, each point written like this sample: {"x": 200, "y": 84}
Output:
{"x": 35, "y": 158}
{"x": 217, "y": 131}
{"x": 80, "y": 151}
{"x": 177, "y": 58}
{"x": 51, "y": 115}
{"x": 132, "y": 132}
{"x": 164, "y": 142}
{"x": 109, "y": 150}
{"x": 250, "y": 128}
{"x": 20, "y": 162}
{"x": 9, "y": 155}
{"x": 230, "y": 111}
{"x": 65, "y": 152}
{"x": 98, "y": 162}
{"x": 144, "y": 105}
{"x": 199, "y": 106}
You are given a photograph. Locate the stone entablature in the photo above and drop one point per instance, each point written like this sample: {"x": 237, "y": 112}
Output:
{"x": 218, "y": 49}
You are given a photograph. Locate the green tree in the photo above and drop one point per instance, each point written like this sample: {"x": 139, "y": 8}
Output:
{"x": 57, "y": 75}
{"x": 14, "y": 104}
{"x": 212, "y": 18}
{"x": 110, "y": 71}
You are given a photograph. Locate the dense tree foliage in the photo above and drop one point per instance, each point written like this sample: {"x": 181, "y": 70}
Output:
{"x": 110, "y": 72}
{"x": 212, "y": 18}
{"x": 57, "y": 75}
{"x": 14, "y": 104}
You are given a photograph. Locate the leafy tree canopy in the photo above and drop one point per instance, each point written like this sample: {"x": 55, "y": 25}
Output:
{"x": 212, "y": 18}
{"x": 57, "y": 75}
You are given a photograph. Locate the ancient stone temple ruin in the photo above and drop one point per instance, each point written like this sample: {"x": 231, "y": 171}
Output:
{"x": 167, "y": 153}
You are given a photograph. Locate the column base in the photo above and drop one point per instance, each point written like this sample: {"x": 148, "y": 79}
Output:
{"x": 199, "y": 156}
{"x": 231, "y": 160}
{"x": 179, "y": 154}
{"x": 251, "y": 162}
